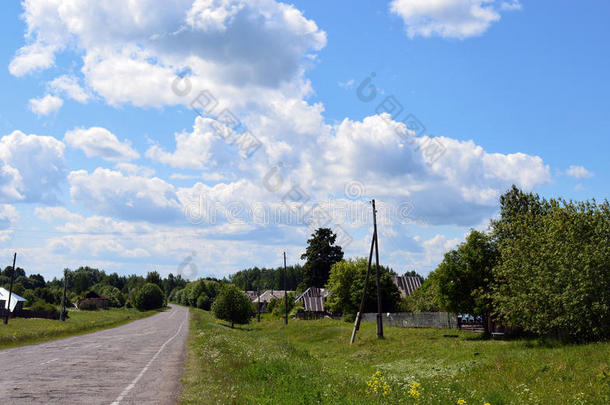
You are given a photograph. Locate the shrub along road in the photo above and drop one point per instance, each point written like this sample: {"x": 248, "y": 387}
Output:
{"x": 137, "y": 363}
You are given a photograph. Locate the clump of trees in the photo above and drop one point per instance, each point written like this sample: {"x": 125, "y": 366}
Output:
{"x": 120, "y": 290}
{"x": 346, "y": 283}
{"x": 465, "y": 276}
{"x": 543, "y": 267}
{"x": 554, "y": 273}
{"x": 232, "y": 305}
{"x": 268, "y": 278}
{"x": 197, "y": 294}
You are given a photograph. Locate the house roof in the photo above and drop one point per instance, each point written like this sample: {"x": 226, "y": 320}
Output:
{"x": 268, "y": 295}
{"x": 313, "y": 292}
{"x": 313, "y": 304}
{"x": 251, "y": 294}
{"x": 406, "y": 284}
{"x": 93, "y": 294}
{"x": 14, "y": 299}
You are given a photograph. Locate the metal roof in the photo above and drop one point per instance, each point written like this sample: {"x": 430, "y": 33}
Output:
{"x": 14, "y": 299}
{"x": 313, "y": 304}
{"x": 268, "y": 295}
{"x": 313, "y": 292}
{"x": 406, "y": 284}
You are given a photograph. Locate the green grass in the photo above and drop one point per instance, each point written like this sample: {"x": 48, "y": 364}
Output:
{"x": 311, "y": 362}
{"x": 20, "y": 331}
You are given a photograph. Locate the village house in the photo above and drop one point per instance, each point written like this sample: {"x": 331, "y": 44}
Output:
{"x": 16, "y": 301}
{"x": 92, "y": 299}
{"x": 266, "y": 297}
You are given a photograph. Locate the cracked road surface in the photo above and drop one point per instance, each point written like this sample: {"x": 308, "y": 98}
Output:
{"x": 137, "y": 363}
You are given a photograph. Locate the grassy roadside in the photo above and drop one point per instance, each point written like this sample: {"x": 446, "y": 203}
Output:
{"x": 311, "y": 362}
{"x": 20, "y": 331}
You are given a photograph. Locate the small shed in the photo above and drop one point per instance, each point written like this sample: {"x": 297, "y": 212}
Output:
{"x": 16, "y": 301}
{"x": 90, "y": 299}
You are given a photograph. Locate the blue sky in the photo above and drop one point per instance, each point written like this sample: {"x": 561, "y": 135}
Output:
{"x": 103, "y": 164}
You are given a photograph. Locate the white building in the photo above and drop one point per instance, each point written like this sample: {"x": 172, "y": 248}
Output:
{"x": 16, "y": 301}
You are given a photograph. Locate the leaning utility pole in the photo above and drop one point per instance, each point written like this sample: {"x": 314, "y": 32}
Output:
{"x": 10, "y": 291}
{"x": 379, "y": 319}
{"x": 362, "y": 301}
{"x": 62, "y": 315}
{"x": 374, "y": 244}
{"x": 285, "y": 294}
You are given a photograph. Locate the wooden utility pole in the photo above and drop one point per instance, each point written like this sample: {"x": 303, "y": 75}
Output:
{"x": 10, "y": 291}
{"x": 285, "y": 294}
{"x": 363, "y": 300}
{"x": 379, "y": 316}
{"x": 258, "y": 294}
{"x": 62, "y": 314}
{"x": 375, "y": 245}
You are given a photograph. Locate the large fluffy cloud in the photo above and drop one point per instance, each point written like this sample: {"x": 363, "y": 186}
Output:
{"x": 32, "y": 168}
{"x": 449, "y": 18}
{"x": 133, "y": 197}
{"x": 375, "y": 158}
{"x": 132, "y": 51}
{"x": 459, "y": 185}
{"x": 97, "y": 141}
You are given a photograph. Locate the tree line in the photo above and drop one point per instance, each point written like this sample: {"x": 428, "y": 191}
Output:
{"x": 122, "y": 291}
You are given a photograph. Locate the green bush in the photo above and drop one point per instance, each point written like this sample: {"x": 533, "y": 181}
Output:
{"x": 279, "y": 306}
{"x": 115, "y": 296}
{"x": 232, "y": 305}
{"x": 150, "y": 296}
{"x": 41, "y": 305}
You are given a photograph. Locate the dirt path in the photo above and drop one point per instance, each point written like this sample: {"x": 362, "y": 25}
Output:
{"x": 137, "y": 363}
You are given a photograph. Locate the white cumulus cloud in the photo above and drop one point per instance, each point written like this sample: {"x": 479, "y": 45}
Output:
{"x": 32, "y": 167}
{"x": 112, "y": 193}
{"x": 132, "y": 51}
{"x": 69, "y": 86}
{"x": 45, "y": 105}
{"x": 97, "y": 141}
{"x": 449, "y": 18}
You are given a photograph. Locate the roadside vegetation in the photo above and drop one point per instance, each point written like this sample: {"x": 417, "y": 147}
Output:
{"x": 131, "y": 291}
{"x": 309, "y": 362}
{"x": 21, "y": 331}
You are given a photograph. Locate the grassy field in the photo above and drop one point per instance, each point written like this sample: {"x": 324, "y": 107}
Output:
{"x": 20, "y": 331}
{"x": 311, "y": 362}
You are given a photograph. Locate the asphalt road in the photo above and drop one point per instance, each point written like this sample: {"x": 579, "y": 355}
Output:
{"x": 137, "y": 363}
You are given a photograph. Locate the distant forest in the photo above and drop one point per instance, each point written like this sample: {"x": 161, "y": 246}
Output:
{"x": 268, "y": 279}
{"x": 273, "y": 278}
